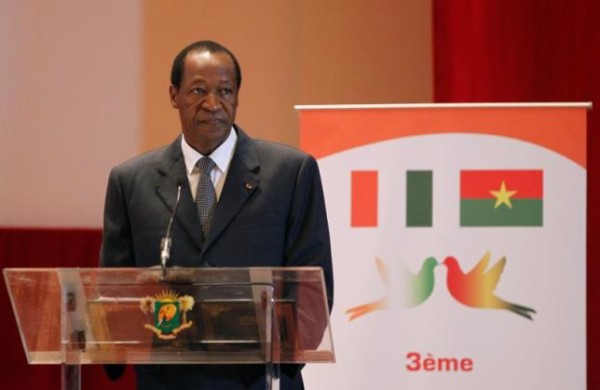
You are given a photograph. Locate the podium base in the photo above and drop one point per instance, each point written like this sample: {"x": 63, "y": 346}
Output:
{"x": 70, "y": 377}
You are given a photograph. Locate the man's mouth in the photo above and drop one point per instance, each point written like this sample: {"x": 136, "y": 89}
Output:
{"x": 211, "y": 121}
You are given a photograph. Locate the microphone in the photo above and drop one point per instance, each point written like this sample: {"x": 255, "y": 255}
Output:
{"x": 165, "y": 243}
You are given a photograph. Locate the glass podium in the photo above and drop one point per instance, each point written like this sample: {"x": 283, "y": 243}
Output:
{"x": 75, "y": 316}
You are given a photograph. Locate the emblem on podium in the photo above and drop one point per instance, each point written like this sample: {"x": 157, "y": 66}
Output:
{"x": 168, "y": 311}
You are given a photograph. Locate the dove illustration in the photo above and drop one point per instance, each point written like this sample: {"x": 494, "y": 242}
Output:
{"x": 383, "y": 303}
{"x": 416, "y": 288}
{"x": 476, "y": 288}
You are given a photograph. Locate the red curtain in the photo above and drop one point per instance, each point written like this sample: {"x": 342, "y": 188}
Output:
{"x": 45, "y": 248}
{"x": 529, "y": 51}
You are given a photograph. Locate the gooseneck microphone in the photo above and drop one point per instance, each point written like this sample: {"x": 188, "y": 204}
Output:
{"x": 165, "y": 243}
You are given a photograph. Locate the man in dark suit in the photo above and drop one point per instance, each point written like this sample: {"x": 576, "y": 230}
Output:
{"x": 270, "y": 209}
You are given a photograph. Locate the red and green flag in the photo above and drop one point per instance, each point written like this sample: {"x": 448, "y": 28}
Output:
{"x": 501, "y": 197}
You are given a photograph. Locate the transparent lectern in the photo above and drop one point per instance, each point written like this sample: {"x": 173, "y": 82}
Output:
{"x": 74, "y": 316}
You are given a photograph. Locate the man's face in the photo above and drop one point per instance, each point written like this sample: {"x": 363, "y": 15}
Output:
{"x": 206, "y": 100}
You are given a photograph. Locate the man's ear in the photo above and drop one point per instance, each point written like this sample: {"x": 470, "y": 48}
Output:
{"x": 173, "y": 96}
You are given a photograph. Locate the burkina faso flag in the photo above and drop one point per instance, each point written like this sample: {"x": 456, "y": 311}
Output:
{"x": 501, "y": 197}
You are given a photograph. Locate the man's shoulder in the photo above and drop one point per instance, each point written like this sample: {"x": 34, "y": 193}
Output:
{"x": 260, "y": 151}
{"x": 146, "y": 160}
{"x": 266, "y": 146}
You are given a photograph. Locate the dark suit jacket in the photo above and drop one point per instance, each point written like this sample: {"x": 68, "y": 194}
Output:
{"x": 271, "y": 212}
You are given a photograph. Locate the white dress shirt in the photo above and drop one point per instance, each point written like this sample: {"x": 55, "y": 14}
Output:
{"x": 221, "y": 156}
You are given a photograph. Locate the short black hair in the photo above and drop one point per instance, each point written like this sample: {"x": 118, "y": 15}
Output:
{"x": 201, "y": 46}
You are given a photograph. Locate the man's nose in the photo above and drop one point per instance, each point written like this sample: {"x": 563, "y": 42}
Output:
{"x": 211, "y": 102}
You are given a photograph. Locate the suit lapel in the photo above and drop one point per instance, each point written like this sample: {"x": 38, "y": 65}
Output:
{"x": 242, "y": 180}
{"x": 171, "y": 174}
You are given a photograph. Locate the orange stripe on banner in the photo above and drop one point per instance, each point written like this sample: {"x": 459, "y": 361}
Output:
{"x": 325, "y": 132}
{"x": 364, "y": 199}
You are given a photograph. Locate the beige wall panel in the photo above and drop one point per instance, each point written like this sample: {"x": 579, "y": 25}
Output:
{"x": 68, "y": 107}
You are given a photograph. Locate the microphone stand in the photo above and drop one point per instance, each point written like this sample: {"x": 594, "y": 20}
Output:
{"x": 165, "y": 243}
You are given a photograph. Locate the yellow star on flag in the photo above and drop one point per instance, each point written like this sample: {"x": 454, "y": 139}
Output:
{"x": 503, "y": 196}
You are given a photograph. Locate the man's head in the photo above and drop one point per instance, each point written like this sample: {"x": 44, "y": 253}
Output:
{"x": 205, "y": 81}
{"x": 200, "y": 46}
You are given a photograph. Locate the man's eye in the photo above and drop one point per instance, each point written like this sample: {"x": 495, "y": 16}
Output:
{"x": 226, "y": 91}
{"x": 199, "y": 91}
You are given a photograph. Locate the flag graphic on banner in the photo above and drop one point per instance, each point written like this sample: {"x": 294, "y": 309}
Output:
{"x": 501, "y": 197}
{"x": 364, "y": 199}
{"x": 419, "y": 198}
